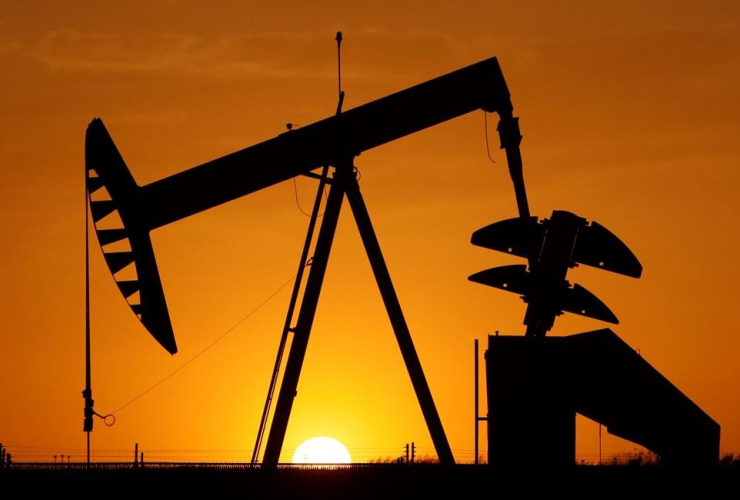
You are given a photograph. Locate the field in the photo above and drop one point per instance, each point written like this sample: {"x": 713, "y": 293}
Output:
{"x": 368, "y": 481}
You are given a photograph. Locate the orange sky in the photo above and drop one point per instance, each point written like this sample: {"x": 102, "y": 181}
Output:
{"x": 628, "y": 117}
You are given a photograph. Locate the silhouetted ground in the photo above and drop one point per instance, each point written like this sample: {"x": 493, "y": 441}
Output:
{"x": 382, "y": 482}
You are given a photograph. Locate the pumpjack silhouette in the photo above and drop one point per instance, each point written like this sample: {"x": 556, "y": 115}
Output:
{"x": 532, "y": 379}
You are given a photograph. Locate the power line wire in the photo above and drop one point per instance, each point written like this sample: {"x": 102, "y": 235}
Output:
{"x": 209, "y": 346}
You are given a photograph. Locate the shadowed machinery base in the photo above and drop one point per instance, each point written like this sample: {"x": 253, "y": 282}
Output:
{"x": 536, "y": 385}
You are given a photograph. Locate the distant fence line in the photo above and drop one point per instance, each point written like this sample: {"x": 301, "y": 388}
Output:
{"x": 171, "y": 458}
{"x": 130, "y": 465}
{"x": 76, "y": 455}
{"x": 26, "y": 456}
{"x": 194, "y": 465}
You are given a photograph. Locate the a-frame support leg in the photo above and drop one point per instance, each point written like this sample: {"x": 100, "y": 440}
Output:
{"x": 289, "y": 386}
{"x": 400, "y": 328}
{"x": 345, "y": 182}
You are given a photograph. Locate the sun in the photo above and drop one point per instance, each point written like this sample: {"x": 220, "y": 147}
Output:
{"x": 321, "y": 450}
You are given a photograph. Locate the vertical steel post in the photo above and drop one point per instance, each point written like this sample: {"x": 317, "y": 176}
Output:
{"x": 476, "y": 402}
{"x": 87, "y": 393}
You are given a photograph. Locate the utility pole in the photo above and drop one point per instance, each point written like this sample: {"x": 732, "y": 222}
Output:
{"x": 407, "y": 453}
{"x": 413, "y": 452}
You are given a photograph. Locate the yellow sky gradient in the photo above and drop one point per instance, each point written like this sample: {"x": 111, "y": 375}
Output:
{"x": 629, "y": 118}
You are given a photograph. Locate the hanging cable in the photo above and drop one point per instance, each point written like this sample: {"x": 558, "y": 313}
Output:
{"x": 209, "y": 346}
{"x": 485, "y": 128}
{"x": 298, "y": 203}
{"x": 293, "y": 126}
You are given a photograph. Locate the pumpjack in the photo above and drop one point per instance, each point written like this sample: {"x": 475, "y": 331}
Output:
{"x": 551, "y": 247}
{"x": 332, "y": 142}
